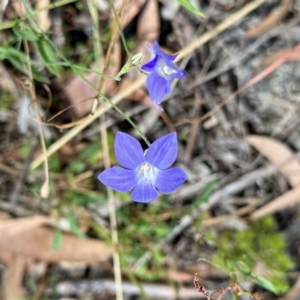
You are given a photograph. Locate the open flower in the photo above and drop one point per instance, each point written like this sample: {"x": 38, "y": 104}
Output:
{"x": 146, "y": 172}
{"x": 162, "y": 70}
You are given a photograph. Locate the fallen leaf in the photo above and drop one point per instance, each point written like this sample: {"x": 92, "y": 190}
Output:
{"x": 294, "y": 292}
{"x": 139, "y": 95}
{"x": 18, "y": 8}
{"x": 11, "y": 285}
{"x": 12, "y": 227}
{"x": 179, "y": 276}
{"x": 274, "y": 17}
{"x": 279, "y": 155}
{"x": 204, "y": 270}
{"x": 4, "y": 215}
{"x": 6, "y": 257}
{"x": 133, "y": 7}
{"x": 80, "y": 94}
{"x": 38, "y": 244}
{"x": 43, "y": 17}
{"x": 109, "y": 85}
{"x": 288, "y": 199}
{"x": 148, "y": 24}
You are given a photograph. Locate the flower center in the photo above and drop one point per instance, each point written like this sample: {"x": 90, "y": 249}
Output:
{"x": 147, "y": 172}
{"x": 164, "y": 70}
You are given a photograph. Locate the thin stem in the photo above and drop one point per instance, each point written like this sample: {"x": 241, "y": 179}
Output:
{"x": 112, "y": 210}
{"x": 113, "y": 219}
{"x": 128, "y": 119}
{"x": 45, "y": 186}
{"x": 119, "y": 27}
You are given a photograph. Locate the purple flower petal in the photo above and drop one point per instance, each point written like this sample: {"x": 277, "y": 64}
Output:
{"x": 179, "y": 75}
{"x": 163, "y": 152}
{"x": 157, "y": 87}
{"x": 119, "y": 179}
{"x": 167, "y": 181}
{"x": 129, "y": 152}
{"x": 144, "y": 192}
{"x": 157, "y": 50}
{"x": 149, "y": 66}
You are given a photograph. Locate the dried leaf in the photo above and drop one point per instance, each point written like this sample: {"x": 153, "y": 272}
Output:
{"x": 82, "y": 95}
{"x": 12, "y": 227}
{"x": 110, "y": 85}
{"x": 279, "y": 155}
{"x": 275, "y": 16}
{"x": 288, "y": 199}
{"x": 6, "y": 257}
{"x": 149, "y": 23}
{"x": 4, "y": 215}
{"x": 293, "y": 293}
{"x": 43, "y": 17}
{"x": 12, "y": 279}
{"x": 179, "y": 276}
{"x": 204, "y": 269}
{"x": 132, "y": 8}
{"x": 139, "y": 95}
{"x": 38, "y": 244}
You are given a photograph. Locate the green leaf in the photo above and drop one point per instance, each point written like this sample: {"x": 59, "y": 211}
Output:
{"x": 25, "y": 33}
{"x": 75, "y": 227}
{"x": 187, "y": 4}
{"x": 57, "y": 239}
{"x": 48, "y": 56}
{"x": 204, "y": 194}
{"x": 17, "y": 63}
{"x": 265, "y": 283}
{"x": 213, "y": 264}
{"x": 17, "y": 58}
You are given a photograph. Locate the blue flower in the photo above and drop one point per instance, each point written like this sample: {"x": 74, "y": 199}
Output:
{"x": 162, "y": 70}
{"x": 146, "y": 172}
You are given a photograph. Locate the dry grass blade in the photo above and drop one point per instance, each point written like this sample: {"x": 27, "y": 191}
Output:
{"x": 279, "y": 155}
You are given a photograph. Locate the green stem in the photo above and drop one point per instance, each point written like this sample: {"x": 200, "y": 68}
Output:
{"x": 128, "y": 120}
{"x": 120, "y": 29}
{"x": 75, "y": 70}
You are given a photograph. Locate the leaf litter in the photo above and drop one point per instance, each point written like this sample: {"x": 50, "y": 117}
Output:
{"x": 263, "y": 119}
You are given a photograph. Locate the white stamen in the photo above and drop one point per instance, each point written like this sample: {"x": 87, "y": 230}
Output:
{"x": 164, "y": 70}
{"x": 147, "y": 172}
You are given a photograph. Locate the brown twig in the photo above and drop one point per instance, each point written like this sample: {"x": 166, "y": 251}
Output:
{"x": 194, "y": 130}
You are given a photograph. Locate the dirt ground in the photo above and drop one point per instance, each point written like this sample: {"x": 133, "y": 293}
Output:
{"x": 235, "y": 223}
